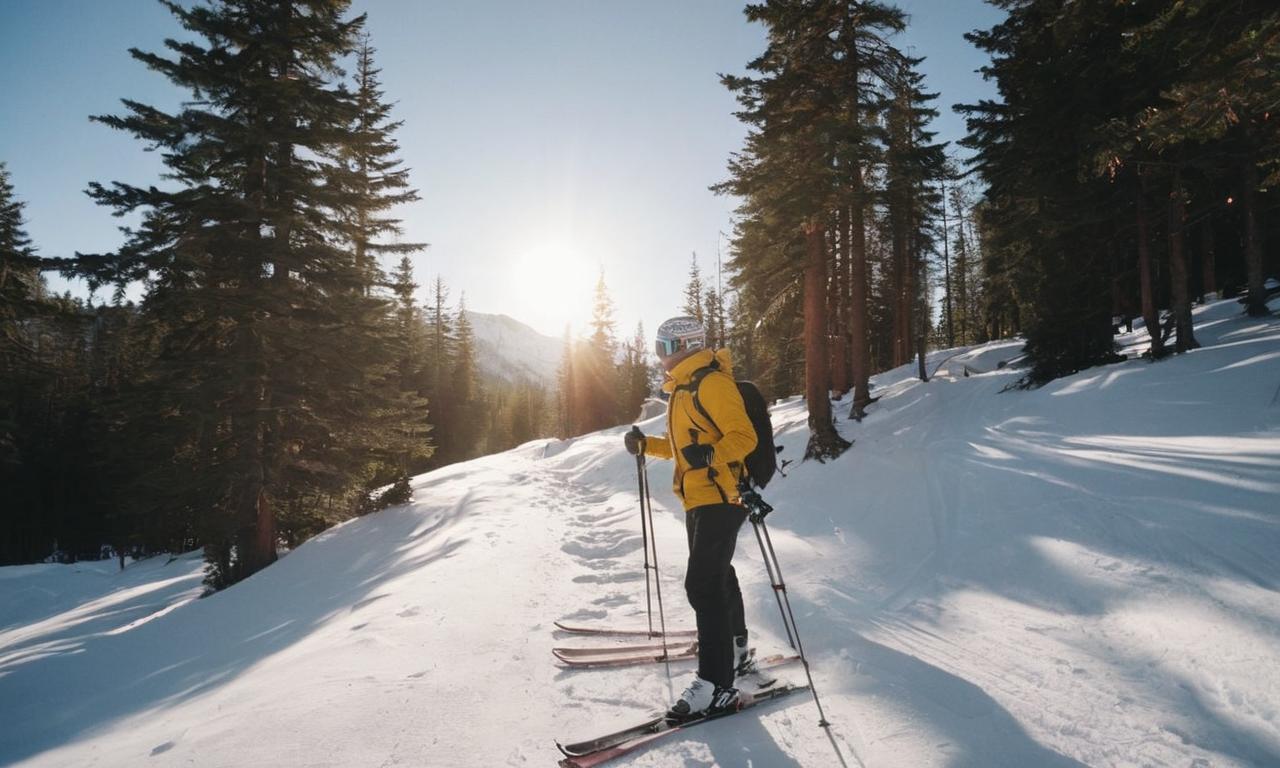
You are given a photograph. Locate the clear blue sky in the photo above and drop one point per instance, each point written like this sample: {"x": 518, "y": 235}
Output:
{"x": 548, "y": 139}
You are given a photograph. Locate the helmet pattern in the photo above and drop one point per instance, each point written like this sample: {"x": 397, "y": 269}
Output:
{"x": 678, "y": 334}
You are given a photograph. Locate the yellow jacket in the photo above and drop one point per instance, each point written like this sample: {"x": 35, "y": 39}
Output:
{"x": 731, "y": 436}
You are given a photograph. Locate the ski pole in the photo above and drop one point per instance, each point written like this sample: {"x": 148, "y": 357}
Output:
{"x": 650, "y": 541}
{"x": 644, "y": 536}
{"x": 759, "y": 508}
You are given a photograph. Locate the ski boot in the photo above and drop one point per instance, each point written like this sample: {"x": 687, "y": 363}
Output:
{"x": 702, "y": 698}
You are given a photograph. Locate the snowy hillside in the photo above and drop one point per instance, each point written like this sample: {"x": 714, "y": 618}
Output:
{"x": 1082, "y": 574}
{"x": 508, "y": 349}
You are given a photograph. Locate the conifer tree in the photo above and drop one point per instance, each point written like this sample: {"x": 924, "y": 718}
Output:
{"x": 567, "y": 395}
{"x": 693, "y": 290}
{"x": 1225, "y": 90}
{"x": 1058, "y": 85}
{"x": 21, "y": 380}
{"x": 264, "y": 355}
{"x": 368, "y": 165}
{"x": 595, "y": 367}
{"x": 913, "y": 165}
{"x": 806, "y": 157}
{"x": 440, "y": 337}
{"x": 437, "y": 365}
{"x": 633, "y": 376}
{"x": 713, "y": 317}
{"x": 465, "y": 396}
{"x": 20, "y": 288}
{"x": 409, "y": 416}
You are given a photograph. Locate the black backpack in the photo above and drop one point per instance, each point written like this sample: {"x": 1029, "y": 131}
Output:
{"x": 762, "y": 462}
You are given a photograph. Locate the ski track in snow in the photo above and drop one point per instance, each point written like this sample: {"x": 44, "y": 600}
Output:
{"x": 1081, "y": 574}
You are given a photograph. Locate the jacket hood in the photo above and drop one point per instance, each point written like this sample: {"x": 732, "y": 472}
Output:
{"x": 684, "y": 370}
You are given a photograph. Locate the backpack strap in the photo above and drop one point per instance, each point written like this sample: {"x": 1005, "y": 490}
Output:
{"x": 694, "y": 382}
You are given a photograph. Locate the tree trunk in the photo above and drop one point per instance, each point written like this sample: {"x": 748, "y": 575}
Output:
{"x": 1181, "y": 290}
{"x": 962, "y": 274}
{"x": 1257, "y": 297}
{"x": 898, "y": 277}
{"x": 824, "y": 441}
{"x": 1208, "y": 258}
{"x": 921, "y": 305}
{"x": 1150, "y": 313}
{"x": 1118, "y": 308}
{"x": 946, "y": 270}
{"x": 840, "y": 364}
{"x": 861, "y": 360}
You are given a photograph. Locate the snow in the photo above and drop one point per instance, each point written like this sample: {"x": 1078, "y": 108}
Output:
{"x": 1080, "y": 574}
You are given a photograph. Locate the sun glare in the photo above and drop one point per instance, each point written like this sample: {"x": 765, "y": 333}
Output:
{"x": 550, "y": 286}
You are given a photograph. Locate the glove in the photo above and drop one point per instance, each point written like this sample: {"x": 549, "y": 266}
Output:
{"x": 634, "y": 440}
{"x": 697, "y": 456}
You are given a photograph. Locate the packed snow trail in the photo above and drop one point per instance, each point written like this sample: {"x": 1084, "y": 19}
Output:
{"x": 1080, "y": 574}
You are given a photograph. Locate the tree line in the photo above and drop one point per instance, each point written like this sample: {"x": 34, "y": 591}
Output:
{"x": 1125, "y": 169}
{"x": 1129, "y": 167}
{"x": 273, "y": 378}
{"x": 602, "y": 381}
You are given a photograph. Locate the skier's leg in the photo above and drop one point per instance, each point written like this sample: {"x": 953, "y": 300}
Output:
{"x": 707, "y": 585}
{"x": 737, "y": 614}
{"x": 738, "y": 623}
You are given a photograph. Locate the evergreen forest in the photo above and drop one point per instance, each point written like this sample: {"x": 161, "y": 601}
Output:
{"x": 280, "y": 372}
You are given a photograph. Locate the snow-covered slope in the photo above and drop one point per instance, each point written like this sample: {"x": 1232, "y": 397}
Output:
{"x": 1082, "y": 574}
{"x": 510, "y": 350}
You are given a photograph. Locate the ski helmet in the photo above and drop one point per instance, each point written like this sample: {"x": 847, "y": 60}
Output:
{"x": 679, "y": 334}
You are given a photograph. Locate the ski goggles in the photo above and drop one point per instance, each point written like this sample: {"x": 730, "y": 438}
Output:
{"x": 668, "y": 347}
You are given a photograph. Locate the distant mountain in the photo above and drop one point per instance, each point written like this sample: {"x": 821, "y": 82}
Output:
{"x": 510, "y": 350}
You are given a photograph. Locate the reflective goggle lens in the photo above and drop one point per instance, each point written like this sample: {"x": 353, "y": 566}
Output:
{"x": 668, "y": 347}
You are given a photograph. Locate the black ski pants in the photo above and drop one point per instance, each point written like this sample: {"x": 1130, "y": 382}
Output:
{"x": 712, "y": 587}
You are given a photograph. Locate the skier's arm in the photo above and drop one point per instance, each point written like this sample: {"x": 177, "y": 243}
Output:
{"x": 657, "y": 446}
{"x": 719, "y": 395}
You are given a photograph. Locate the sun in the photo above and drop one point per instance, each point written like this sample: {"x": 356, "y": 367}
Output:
{"x": 550, "y": 286}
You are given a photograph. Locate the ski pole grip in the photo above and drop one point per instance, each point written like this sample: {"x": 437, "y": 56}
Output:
{"x": 634, "y": 441}
{"x": 756, "y": 506}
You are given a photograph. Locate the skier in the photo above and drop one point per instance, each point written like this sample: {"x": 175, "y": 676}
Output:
{"x": 709, "y": 437}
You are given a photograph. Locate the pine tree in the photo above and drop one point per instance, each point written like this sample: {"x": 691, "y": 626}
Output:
{"x": 20, "y": 289}
{"x": 806, "y": 158}
{"x": 713, "y": 317}
{"x": 1046, "y": 216}
{"x": 368, "y": 165}
{"x": 440, "y": 347}
{"x": 408, "y": 417}
{"x": 440, "y": 337}
{"x": 693, "y": 290}
{"x": 265, "y": 350}
{"x": 596, "y": 370}
{"x": 465, "y": 395}
{"x": 1223, "y": 89}
{"x": 567, "y": 395}
{"x": 913, "y": 165}
{"x": 22, "y": 380}
{"x": 633, "y": 376}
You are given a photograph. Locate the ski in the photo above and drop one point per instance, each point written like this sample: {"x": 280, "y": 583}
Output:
{"x": 592, "y": 752}
{"x": 624, "y": 650}
{"x": 673, "y": 653}
{"x": 580, "y": 630}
